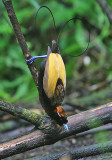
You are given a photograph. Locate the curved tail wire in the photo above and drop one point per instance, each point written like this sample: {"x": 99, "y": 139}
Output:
{"x": 75, "y": 18}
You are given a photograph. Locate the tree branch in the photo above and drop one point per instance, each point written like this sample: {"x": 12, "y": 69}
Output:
{"x": 20, "y": 38}
{"x": 82, "y": 152}
{"x": 106, "y": 9}
{"x": 23, "y": 113}
{"x": 51, "y": 134}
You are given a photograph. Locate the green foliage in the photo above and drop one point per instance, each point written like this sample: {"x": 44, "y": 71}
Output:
{"x": 16, "y": 83}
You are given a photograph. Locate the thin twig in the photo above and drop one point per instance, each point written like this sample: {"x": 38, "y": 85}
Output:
{"x": 15, "y": 133}
{"x": 7, "y": 139}
{"x": 106, "y": 9}
{"x": 20, "y": 38}
{"x": 50, "y": 134}
{"x": 100, "y": 85}
{"x": 94, "y": 99}
{"x": 2, "y": 13}
{"x": 75, "y": 105}
{"x": 95, "y": 130}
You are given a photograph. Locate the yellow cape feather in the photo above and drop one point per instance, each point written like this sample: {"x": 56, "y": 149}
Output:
{"x": 54, "y": 69}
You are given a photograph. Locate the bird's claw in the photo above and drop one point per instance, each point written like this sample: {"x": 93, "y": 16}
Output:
{"x": 30, "y": 61}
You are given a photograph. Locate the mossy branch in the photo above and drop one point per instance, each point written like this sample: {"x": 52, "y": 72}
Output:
{"x": 23, "y": 113}
{"x": 51, "y": 133}
{"x": 82, "y": 152}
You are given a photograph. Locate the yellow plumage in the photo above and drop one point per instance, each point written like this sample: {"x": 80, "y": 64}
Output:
{"x": 54, "y": 69}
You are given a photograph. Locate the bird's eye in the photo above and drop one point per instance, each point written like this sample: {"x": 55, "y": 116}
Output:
{"x": 59, "y": 87}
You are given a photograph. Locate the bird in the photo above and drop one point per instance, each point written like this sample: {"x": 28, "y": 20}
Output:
{"x": 52, "y": 84}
